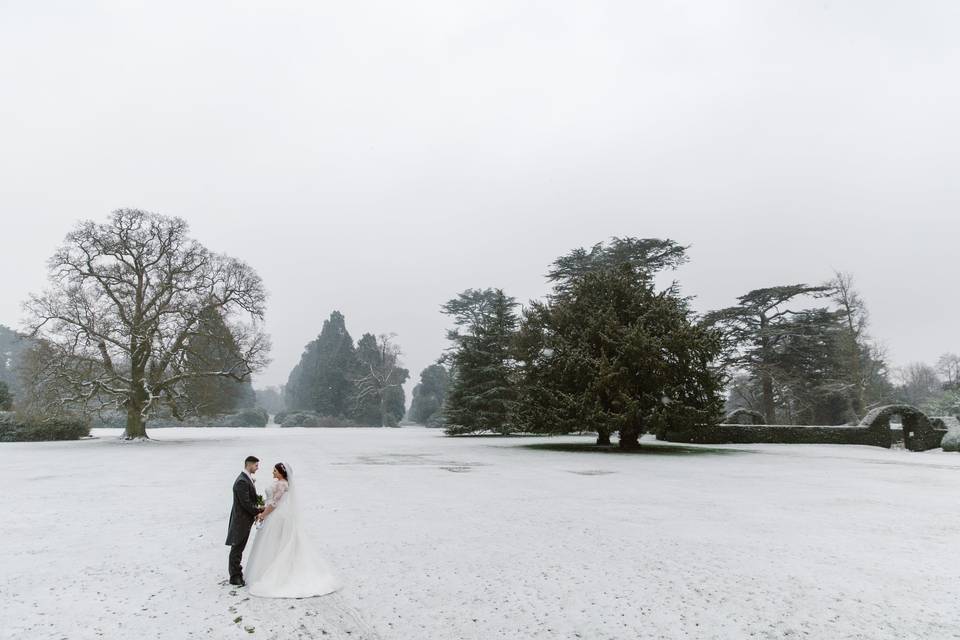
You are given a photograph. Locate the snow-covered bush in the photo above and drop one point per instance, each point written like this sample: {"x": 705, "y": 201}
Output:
{"x": 14, "y": 428}
{"x": 254, "y": 417}
{"x": 311, "y": 419}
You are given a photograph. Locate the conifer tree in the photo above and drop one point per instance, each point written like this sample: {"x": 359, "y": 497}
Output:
{"x": 321, "y": 381}
{"x": 483, "y": 394}
{"x": 609, "y": 353}
{"x": 213, "y": 347}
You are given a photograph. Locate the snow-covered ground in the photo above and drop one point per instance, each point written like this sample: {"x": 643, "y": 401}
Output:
{"x": 486, "y": 538}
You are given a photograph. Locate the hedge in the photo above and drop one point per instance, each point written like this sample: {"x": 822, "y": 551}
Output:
{"x": 15, "y": 428}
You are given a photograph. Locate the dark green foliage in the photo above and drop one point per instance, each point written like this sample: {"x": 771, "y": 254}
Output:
{"x": 378, "y": 398}
{"x": 753, "y": 331}
{"x": 430, "y": 395}
{"x": 803, "y": 365}
{"x": 212, "y": 348}
{"x": 15, "y": 428}
{"x": 646, "y": 256}
{"x": 609, "y": 353}
{"x": 6, "y": 398}
{"x": 322, "y": 381}
{"x": 251, "y": 417}
{"x": 311, "y": 419}
{"x": 811, "y": 376}
{"x": 483, "y": 394}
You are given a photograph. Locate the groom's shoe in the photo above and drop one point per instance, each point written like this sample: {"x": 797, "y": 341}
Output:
{"x": 238, "y": 582}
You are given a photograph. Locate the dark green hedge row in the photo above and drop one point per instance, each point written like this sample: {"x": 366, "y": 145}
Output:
{"x": 748, "y": 434}
{"x": 311, "y": 419}
{"x": 14, "y": 429}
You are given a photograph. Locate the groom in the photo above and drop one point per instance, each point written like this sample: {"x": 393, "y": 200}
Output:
{"x": 242, "y": 515}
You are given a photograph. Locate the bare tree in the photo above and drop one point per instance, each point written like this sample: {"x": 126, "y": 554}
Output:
{"x": 379, "y": 377}
{"x": 919, "y": 383}
{"x": 853, "y": 312}
{"x": 949, "y": 367}
{"x": 126, "y": 301}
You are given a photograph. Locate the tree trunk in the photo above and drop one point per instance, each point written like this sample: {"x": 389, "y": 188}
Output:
{"x": 769, "y": 409}
{"x": 136, "y": 424}
{"x": 630, "y": 437}
{"x": 603, "y": 437}
{"x": 766, "y": 380}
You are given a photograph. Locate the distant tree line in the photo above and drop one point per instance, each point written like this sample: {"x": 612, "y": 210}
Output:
{"x": 144, "y": 323}
{"x": 608, "y": 351}
{"x": 430, "y": 396}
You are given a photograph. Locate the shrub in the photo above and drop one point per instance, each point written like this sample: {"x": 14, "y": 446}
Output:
{"x": 6, "y": 398}
{"x": 14, "y": 428}
{"x": 311, "y": 419}
{"x": 255, "y": 417}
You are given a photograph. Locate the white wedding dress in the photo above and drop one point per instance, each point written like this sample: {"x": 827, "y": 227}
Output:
{"x": 283, "y": 563}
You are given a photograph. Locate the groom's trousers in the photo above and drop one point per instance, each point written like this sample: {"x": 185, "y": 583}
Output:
{"x": 236, "y": 555}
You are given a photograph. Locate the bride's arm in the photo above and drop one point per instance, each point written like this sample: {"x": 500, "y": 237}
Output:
{"x": 278, "y": 491}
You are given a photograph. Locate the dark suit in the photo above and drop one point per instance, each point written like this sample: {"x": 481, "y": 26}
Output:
{"x": 242, "y": 515}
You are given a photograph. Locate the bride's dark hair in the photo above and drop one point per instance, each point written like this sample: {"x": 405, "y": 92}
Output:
{"x": 281, "y": 469}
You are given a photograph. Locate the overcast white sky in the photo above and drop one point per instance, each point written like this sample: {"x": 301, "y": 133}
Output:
{"x": 379, "y": 157}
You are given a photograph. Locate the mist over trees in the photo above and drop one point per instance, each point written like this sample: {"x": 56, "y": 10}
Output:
{"x": 271, "y": 399}
{"x": 378, "y": 398}
{"x": 121, "y": 325}
{"x": 335, "y": 378}
{"x": 142, "y": 320}
{"x": 320, "y": 382}
{"x": 12, "y": 347}
{"x": 430, "y": 395}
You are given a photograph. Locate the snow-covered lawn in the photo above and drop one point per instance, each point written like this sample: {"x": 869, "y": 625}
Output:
{"x": 486, "y": 538}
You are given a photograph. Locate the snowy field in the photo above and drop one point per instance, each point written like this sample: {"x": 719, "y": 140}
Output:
{"x": 486, "y": 538}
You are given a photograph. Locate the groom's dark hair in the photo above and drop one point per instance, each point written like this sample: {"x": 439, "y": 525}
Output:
{"x": 251, "y": 459}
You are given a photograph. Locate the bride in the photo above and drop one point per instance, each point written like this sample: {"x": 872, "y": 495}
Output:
{"x": 283, "y": 563}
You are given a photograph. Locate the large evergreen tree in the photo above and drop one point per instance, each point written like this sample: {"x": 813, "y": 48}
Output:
{"x": 804, "y": 365}
{"x": 322, "y": 380}
{"x": 483, "y": 394}
{"x": 609, "y": 353}
{"x": 755, "y": 328}
{"x": 430, "y": 395}
{"x": 212, "y": 346}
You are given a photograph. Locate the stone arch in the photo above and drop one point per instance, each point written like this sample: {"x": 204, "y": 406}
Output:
{"x": 919, "y": 434}
{"x": 744, "y": 416}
